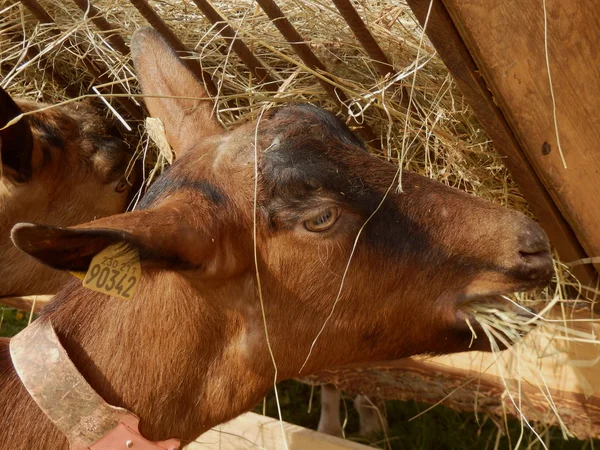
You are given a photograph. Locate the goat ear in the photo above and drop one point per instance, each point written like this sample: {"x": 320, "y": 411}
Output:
{"x": 163, "y": 76}
{"x": 162, "y": 236}
{"x": 16, "y": 141}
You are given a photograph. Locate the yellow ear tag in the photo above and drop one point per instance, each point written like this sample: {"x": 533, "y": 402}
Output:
{"x": 80, "y": 275}
{"x": 114, "y": 271}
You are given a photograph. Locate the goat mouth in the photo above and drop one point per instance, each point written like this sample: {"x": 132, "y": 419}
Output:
{"x": 465, "y": 307}
{"x": 497, "y": 312}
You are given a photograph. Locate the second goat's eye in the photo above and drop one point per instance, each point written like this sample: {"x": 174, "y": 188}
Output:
{"x": 122, "y": 185}
{"x": 323, "y": 221}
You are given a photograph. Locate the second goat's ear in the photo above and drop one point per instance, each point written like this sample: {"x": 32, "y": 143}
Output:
{"x": 16, "y": 141}
{"x": 172, "y": 92}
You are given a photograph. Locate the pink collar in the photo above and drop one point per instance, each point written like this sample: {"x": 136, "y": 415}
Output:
{"x": 63, "y": 394}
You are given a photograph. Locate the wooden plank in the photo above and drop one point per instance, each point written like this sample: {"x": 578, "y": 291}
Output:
{"x": 451, "y": 48}
{"x": 110, "y": 30}
{"x": 478, "y": 381}
{"x": 252, "y": 430}
{"x": 429, "y": 382}
{"x": 369, "y": 43}
{"x": 28, "y": 303}
{"x": 506, "y": 40}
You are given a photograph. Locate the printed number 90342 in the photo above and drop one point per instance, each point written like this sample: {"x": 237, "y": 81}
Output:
{"x": 109, "y": 279}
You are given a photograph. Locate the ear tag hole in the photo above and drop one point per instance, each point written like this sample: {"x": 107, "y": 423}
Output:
{"x": 115, "y": 271}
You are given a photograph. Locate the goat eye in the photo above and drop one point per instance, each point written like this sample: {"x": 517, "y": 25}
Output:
{"x": 323, "y": 221}
{"x": 122, "y": 186}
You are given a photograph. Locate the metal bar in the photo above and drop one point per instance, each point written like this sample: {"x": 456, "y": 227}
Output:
{"x": 237, "y": 45}
{"x": 369, "y": 43}
{"x": 38, "y": 11}
{"x": 364, "y": 36}
{"x": 299, "y": 46}
{"x": 100, "y": 21}
{"x": 291, "y": 35}
{"x": 98, "y": 73}
{"x": 57, "y": 78}
{"x": 159, "y": 25}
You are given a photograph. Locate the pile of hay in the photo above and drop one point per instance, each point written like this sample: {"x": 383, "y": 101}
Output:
{"x": 444, "y": 139}
{"x": 441, "y": 138}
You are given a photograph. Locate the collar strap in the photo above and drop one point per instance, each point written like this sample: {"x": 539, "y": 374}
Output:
{"x": 63, "y": 394}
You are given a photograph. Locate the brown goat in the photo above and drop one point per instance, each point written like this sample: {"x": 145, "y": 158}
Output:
{"x": 189, "y": 350}
{"x": 61, "y": 166}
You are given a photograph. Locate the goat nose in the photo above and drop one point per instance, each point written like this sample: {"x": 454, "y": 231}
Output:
{"x": 533, "y": 240}
{"x": 534, "y": 250}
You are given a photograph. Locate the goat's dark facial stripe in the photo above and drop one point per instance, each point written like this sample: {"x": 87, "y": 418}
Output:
{"x": 334, "y": 126}
{"x": 169, "y": 184}
{"x": 318, "y": 156}
{"x": 46, "y": 154}
{"x": 78, "y": 133}
{"x": 113, "y": 151}
{"x": 49, "y": 135}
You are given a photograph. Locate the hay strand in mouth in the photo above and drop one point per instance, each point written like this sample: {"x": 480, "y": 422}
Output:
{"x": 544, "y": 350}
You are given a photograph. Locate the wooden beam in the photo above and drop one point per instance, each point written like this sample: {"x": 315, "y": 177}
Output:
{"x": 544, "y": 363}
{"x": 252, "y": 430}
{"x": 506, "y": 40}
{"x": 364, "y": 36}
{"x": 454, "y": 53}
{"x": 369, "y": 43}
{"x": 254, "y": 65}
{"x": 112, "y": 35}
{"x": 434, "y": 383}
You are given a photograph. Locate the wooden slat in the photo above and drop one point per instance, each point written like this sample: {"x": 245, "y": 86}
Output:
{"x": 506, "y": 40}
{"x": 237, "y": 45}
{"x": 159, "y": 25}
{"x": 29, "y": 303}
{"x": 433, "y": 383}
{"x": 38, "y": 11}
{"x": 253, "y": 431}
{"x": 298, "y": 44}
{"x": 451, "y": 48}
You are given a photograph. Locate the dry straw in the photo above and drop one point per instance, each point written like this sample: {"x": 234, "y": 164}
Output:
{"x": 440, "y": 138}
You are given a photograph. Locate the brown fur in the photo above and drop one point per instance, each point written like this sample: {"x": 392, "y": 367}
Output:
{"x": 76, "y": 165}
{"x": 189, "y": 351}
